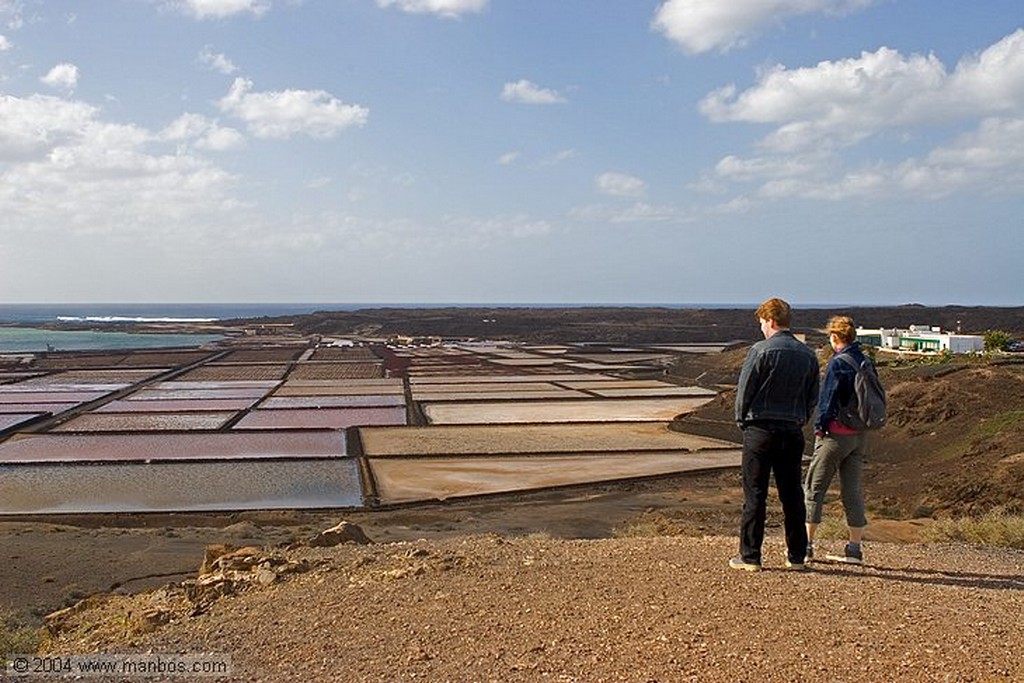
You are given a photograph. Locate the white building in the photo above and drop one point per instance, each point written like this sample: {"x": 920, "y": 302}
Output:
{"x": 921, "y": 338}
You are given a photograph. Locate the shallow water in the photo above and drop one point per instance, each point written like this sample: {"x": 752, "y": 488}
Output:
{"x": 28, "y": 339}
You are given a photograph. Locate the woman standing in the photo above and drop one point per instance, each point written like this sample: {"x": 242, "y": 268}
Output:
{"x": 838, "y": 447}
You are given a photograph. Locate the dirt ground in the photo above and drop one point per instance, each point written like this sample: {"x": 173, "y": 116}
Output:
{"x": 609, "y": 582}
{"x": 532, "y": 608}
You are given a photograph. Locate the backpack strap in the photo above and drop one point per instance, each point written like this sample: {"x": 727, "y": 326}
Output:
{"x": 845, "y": 358}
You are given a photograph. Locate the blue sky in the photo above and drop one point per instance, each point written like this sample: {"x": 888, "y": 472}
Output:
{"x": 569, "y": 151}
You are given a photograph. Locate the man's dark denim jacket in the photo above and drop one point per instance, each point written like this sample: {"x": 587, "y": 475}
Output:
{"x": 837, "y": 389}
{"x": 778, "y": 384}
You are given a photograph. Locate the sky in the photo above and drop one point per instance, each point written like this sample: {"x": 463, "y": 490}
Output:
{"x": 512, "y": 151}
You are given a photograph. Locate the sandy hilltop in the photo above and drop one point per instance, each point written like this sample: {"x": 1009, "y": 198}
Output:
{"x": 618, "y": 581}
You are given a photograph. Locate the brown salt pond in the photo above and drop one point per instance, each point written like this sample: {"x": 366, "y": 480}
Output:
{"x": 408, "y": 480}
{"x": 450, "y": 440}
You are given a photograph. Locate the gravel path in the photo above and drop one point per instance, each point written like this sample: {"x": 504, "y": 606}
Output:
{"x": 489, "y": 608}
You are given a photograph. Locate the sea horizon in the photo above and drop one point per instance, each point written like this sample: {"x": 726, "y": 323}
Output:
{"x": 30, "y": 314}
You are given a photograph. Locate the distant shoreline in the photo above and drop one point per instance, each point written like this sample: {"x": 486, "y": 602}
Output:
{"x": 629, "y": 325}
{"x": 610, "y": 324}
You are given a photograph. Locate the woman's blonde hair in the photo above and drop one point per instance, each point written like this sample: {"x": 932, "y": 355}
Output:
{"x": 842, "y": 326}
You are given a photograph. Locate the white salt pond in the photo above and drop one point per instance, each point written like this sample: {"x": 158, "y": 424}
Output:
{"x": 583, "y": 410}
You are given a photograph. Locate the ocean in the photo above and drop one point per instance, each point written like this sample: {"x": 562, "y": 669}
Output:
{"x": 20, "y": 332}
{"x": 29, "y": 314}
{"x": 27, "y": 339}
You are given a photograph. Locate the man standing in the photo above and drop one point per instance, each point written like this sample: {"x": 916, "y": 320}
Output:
{"x": 776, "y": 396}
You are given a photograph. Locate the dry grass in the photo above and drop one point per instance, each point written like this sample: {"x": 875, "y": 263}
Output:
{"x": 833, "y": 525}
{"x": 993, "y": 529}
{"x": 648, "y": 525}
{"x": 15, "y": 637}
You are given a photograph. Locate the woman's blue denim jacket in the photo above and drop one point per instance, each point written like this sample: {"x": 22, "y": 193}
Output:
{"x": 778, "y": 382}
{"x": 837, "y": 389}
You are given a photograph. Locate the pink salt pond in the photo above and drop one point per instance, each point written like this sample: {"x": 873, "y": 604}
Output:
{"x": 172, "y": 446}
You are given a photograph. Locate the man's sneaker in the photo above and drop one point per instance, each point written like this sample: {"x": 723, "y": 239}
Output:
{"x": 809, "y": 556}
{"x": 795, "y": 566}
{"x": 850, "y": 555}
{"x": 740, "y": 563}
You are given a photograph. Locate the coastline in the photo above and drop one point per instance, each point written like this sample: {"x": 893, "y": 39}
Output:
{"x": 534, "y": 323}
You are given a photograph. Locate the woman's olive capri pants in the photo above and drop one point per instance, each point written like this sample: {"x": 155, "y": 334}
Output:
{"x": 832, "y": 453}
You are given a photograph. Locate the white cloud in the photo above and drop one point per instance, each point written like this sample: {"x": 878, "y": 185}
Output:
{"x": 553, "y": 159}
{"x": 481, "y": 231}
{"x": 740, "y": 170}
{"x": 68, "y": 170}
{"x": 451, "y": 9}
{"x": 220, "y": 9}
{"x": 216, "y": 61}
{"x": 203, "y": 133}
{"x": 991, "y": 81}
{"x": 838, "y": 103}
{"x": 996, "y": 145}
{"x": 318, "y": 183}
{"x": 558, "y": 157}
{"x": 388, "y": 239}
{"x": 5, "y": 44}
{"x": 31, "y": 128}
{"x": 526, "y": 92}
{"x": 220, "y": 138}
{"x": 704, "y": 25}
{"x": 989, "y": 159}
{"x": 62, "y": 77}
{"x": 11, "y": 13}
{"x": 621, "y": 185}
{"x": 377, "y": 182}
{"x": 290, "y": 112}
{"x": 639, "y": 212}
{"x": 821, "y": 113}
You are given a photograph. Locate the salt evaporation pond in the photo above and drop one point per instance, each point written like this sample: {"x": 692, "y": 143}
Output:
{"x": 178, "y": 487}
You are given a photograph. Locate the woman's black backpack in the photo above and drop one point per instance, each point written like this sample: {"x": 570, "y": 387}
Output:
{"x": 866, "y": 409}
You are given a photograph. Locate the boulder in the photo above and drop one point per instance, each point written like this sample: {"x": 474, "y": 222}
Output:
{"x": 343, "y": 532}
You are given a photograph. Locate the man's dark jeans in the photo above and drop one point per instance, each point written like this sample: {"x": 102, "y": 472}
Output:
{"x": 767, "y": 449}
